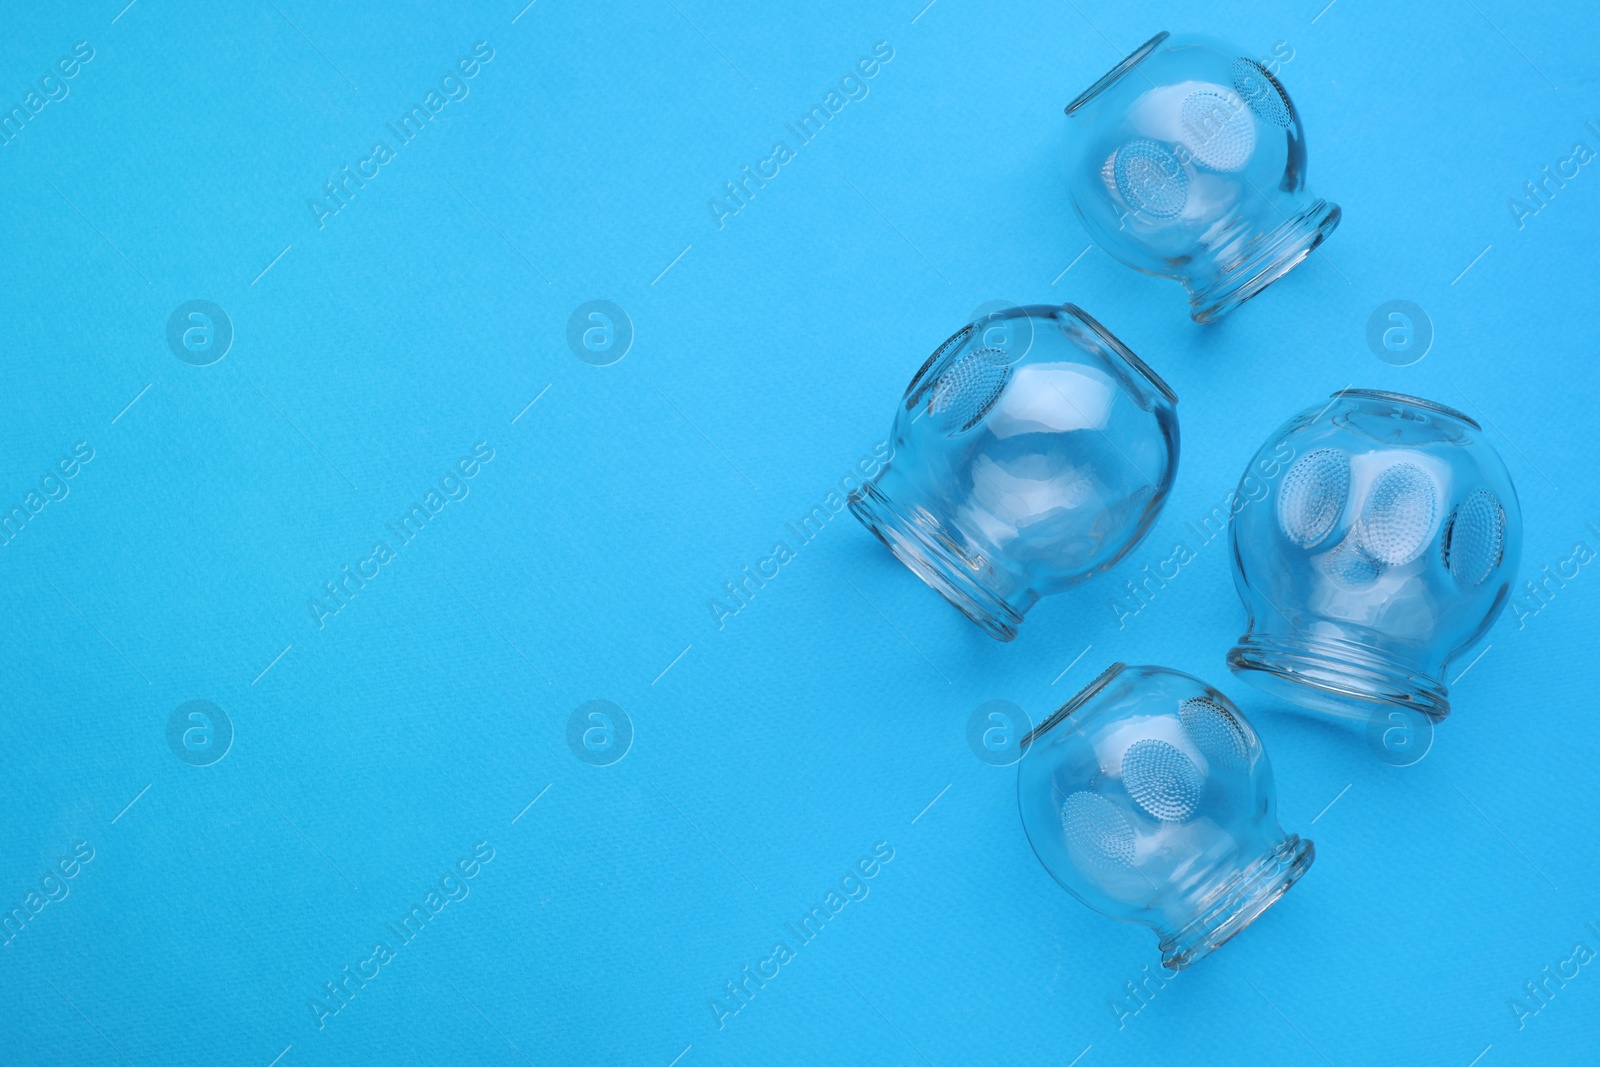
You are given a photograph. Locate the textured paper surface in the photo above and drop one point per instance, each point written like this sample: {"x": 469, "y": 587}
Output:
{"x": 773, "y": 750}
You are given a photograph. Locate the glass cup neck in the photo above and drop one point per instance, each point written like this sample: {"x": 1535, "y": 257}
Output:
{"x": 1236, "y": 903}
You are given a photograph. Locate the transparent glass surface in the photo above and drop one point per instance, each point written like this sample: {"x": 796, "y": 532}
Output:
{"x": 1032, "y": 451}
{"x": 1188, "y": 160}
{"x": 1150, "y": 799}
{"x": 1380, "y": 546}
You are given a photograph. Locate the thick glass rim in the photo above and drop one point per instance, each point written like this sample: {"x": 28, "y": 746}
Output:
{"x": 1073, "y": 704}
{"x": 1126, "y": 354}
{"x": 1133, "y": 59}
{"x": 1413, "y": 401}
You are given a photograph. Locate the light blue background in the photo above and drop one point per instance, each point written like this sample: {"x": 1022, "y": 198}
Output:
{"x": 825, "y": 716}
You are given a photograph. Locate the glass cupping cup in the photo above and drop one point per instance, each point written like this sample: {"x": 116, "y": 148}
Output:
{"x": 1032, "y": 451}
{"x": 1385, "y": 548}
{"x": 1149, "y": 797}
{"x": 1188, "y": 160}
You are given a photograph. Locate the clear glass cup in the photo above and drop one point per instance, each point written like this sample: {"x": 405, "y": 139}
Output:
{"x": 1381, "y": 545}
{"x": 1149, "y": 797}
{"x": 1187, "y": 160}
{"x": 1032, "y": 451}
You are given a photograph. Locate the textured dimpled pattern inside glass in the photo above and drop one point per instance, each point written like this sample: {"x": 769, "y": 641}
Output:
{"x": 1313, "y": 496}
{"x": 1162, "y": 780}
{"x": 1188, "y": 160}
{"x": 1219, "y": 736}
{"x": 965, "y": 393}
{"x": 1383, "y": 549}
{"x": 1098, "y": 834}
{"x": 1473, "y": 544}
{"x": 1261, "y": 92}
{"x": 1032, "y": 451}
{"x": 1149, "y": 798}
{"x": 1397, "y": 517}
